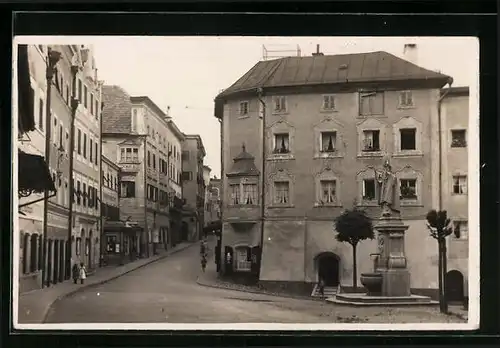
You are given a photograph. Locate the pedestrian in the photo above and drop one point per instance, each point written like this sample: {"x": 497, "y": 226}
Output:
{"x": 76, "y": 272}
{"x": 203, "y": 263}
{"x": 322, "y": 288}
{"x": 202, "y": 248}
{"x": 83, "y": 273}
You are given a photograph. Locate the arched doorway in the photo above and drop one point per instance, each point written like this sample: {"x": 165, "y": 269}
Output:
{"x": 454, "y": 286}
{"x": 328, "y": 268}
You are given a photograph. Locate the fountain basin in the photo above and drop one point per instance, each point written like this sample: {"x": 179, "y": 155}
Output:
{"x": 373, "y": 283}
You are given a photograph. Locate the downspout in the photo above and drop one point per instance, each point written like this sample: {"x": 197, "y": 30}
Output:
{"x": 440, "y": 141}
{"x": 146, "y": 232}
{"x": 221, "y": 193}
{"x": 263, "y": 175}
{"x": 101, "y": 181}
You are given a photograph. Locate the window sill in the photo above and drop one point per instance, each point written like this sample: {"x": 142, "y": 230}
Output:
{"x": 333, "y": 154}
{"x": 278, "y": 157}
{"x": 368, "y": 203}
{"x": 458, "y": 194}
{"x": 327, "y": 205}
{"x": 241, "y": 117}
{"x": 371, "y": 115}
{"x": 406, "y": 107}
{"x": 281, "y": 206}
{"x": 458, "y": 147}
{"x": 410, "y": 202}
{"x": 461, "y": 239}
{"x": 328, "y": 111}
{"x": 370, "y": 154}
{"x": 243, "y": 206}
{"x": 408, "y": 153}
{"x": 280, "y": 112}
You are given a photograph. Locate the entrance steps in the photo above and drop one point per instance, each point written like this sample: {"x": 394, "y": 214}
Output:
{"x": 330, "y": 291}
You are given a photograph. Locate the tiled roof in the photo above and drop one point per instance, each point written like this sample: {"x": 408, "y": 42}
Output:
{"x": 331, "y": 69}
{"x": 116, "y": 115}
{"x": 244, "y": 164}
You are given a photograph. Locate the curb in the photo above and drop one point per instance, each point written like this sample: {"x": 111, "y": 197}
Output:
{"x": 89, "y": 286}
{"x": 256, "y": 291}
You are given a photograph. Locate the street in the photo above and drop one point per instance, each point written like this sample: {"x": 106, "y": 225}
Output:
{"x": 166, "y": 292}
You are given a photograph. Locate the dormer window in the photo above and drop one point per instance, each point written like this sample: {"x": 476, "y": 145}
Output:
{"x": 244, "y": 108}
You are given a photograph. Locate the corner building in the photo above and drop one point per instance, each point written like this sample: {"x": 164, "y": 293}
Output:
{"x": 328, "y": 119}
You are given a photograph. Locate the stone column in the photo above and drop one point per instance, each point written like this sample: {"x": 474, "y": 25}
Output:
{"x": 392, "y": 261}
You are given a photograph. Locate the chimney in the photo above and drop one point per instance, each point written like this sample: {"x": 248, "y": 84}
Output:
{"x": 167, "y": 114}
{"x": 410, "y": 53}
{"x": 317, "y": 53}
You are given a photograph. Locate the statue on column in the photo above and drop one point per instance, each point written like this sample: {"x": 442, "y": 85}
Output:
{"x": 388, "y": 189}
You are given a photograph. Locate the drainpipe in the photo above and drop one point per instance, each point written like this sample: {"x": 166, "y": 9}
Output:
{"x": 145, "y": 253}
{"x": 101, "y": 181}
{"x": 52, "y": 59}
{"x": 74, "y": 107}
{"x": 263, "y": 171}
{"x": 440, "y": 152}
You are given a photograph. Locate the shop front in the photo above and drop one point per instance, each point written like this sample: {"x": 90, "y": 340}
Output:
{"x": 120, "y": 243}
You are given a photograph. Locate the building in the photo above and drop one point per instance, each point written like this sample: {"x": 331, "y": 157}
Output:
{"x": 33, "y": 174}
{"x": 329, "y": 120}
{"x": 213, "y": 201}
{"x": 454, "y": 184}
{"x": 145, "y": 143}
{"x": 86, "y": 214}
{"x": 193, "y": 153}
{"x": 206, "y": 194}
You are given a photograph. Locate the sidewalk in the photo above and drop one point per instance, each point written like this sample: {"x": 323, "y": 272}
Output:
{"x": 211, "y": 279}
{"x": 34, "y": 305}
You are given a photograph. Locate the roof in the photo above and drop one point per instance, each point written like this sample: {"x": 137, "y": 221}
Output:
{"x": 455, "y": 92}
{"x": 331, "y": 69}
{"x": 117, "y": 111}
{"x": 244, "y": 164}
{"x": 173, "y": 127}
{"x": 199, "y": 140}
{"x": 150, "y": 103}
{"x": 110, "y": 163}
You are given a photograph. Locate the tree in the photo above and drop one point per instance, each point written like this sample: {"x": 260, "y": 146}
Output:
{"x": 353, "y": 226}
{"x": 440, "y": 227}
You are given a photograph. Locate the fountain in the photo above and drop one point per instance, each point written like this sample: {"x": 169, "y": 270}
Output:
{"x": 389, "y": 283}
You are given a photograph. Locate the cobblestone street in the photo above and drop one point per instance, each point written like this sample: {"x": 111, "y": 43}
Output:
{"x": 166, "y": 291}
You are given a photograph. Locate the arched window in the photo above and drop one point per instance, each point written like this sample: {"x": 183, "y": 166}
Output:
{"x": 33, "y": 251}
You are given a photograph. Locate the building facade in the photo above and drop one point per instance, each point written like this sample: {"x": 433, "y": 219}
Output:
{"x": 213, "y": 201}
{"x": 206, "y": 194}
{"x": 193, "y": 153}
{"x": 328, "y": 122}
{"x": 145, "y": 143}
{"x": 454, "y": 185}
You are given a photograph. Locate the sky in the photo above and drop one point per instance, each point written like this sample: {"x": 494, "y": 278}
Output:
{"x": 186, "y": 73}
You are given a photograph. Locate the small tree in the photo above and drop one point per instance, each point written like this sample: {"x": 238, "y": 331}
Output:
{"x": 353, "y": 226}
{"x": 440, "y": 227}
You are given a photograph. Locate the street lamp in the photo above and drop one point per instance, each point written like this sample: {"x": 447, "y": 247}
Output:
{"x": 53, "y": 58}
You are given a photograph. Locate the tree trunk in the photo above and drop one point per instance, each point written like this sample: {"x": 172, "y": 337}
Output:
{"x": 354, "y": 268}
{"x": 440, "y": 278}
{"x": 445, "y": 266}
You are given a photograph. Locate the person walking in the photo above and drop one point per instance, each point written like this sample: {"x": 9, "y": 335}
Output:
{"x": 203, "y": 263}
{"x": 322, "y": 287}
{"x": 75, "y": 272}
{"x": 83, "y": 273}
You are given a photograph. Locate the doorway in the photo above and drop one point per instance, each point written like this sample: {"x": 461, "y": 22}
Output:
{"x": 328, "y": 267}
{"x": 185, "y": 231}
{"x": 56, "y": 262}
{"x": 454, "y": 286}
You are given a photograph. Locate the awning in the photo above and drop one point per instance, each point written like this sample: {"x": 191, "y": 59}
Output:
{"x": 34, "y": 174}
{"x": 119, "y": 226}
{"x": 25, "y": 102}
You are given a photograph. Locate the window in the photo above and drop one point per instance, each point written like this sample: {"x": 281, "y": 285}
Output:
{"x": 84, "y": 145}
{"x": 96, "y": 109}
{"x": 405, "y": 99}
{"x": 67, "y": 141}
{"x": 134, "y": 120}
{"x": 461, "y": 229}
{"x": 328, "y": 191}
{"x": 91, "y": 196}
{"x": 90, "y": 150}
{"x": 328, "y": 140}
{"x": 371, "y": 103}
{"x": 116, "y": 183}
{"x": 369, "y": 189}
{"x": 66, "y": 190}
{"x": 187, "y": 176}
{"x": 281, "y": 143}
{"x": 235, "y": 193}
{"x": 91, "y": 103}
{"x": 154, "y": 161}
{"x": 243, "y": 259}
{"x": 459, "y": 185}
{"x": 84, "y": 194}
{"x": 458, "y": 138}
{"x": 128, "y": 189}
{"x": 61, "y": 137}
{"x": 371, "y": 140}
{"x": 78, "y": 246}
{"x": 250, "y": 194}
{"x": 78, "y": 193}
{"x": 408, "y": 139}
{"x": 112, "y": 245}
{"x": 243, "y": 108}
{"x": 96, "y": 152}
{"x": 279, "y": 104}
{"x": 54, "y": 129}
{"x": 80, "y": 90}
{"x": 40, "y": 112}
{"x": 408, "y": 188}
{"x": 148, "y": 130}
{"x": 328, "y": 102}
{"x": 85, "y": 94}
{"x": 149, "y": 159}
{"x": 67, "y": 94}
{"x": 185, "y": 155}
{"x": 79, "y": 142}
{"x": 282, "y": 192}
